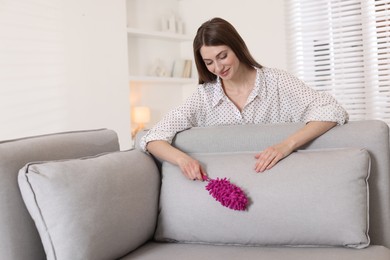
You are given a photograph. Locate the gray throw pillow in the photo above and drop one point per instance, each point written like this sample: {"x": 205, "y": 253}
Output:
{"x": 316, "y": 198}
{"x": 92, "y": 208}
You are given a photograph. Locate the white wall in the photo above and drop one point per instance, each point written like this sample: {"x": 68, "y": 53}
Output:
{"x": 261, "y": 23}
{"x": 63, "y": 66}
{"x": 96, "y": 59}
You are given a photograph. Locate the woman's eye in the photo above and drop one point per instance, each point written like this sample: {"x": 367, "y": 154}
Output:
{"x": 223, "y": 56}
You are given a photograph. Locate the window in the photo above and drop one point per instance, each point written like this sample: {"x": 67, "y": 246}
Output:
{"x": 32, "y": 93}
{"x": 343, "y": 47}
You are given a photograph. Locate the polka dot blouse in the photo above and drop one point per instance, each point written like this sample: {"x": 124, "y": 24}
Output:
{"x": 277, "y": 97}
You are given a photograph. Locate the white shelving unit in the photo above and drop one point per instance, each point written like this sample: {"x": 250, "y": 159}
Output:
{"x": 152, "y": 49}
{"x": 147, "y": 47}
{"x": 151, "y": 79}
{"x": 153, "y": 39}
{"x": 153, "y": 43}
{"x": 158, "y": 34}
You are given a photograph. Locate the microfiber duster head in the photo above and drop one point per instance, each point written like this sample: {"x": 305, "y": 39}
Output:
{"x": 228, "y": 194}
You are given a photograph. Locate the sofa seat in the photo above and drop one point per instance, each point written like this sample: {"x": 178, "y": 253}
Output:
{"x": 154, "y": 250}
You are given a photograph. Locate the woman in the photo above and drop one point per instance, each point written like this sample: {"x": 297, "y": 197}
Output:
{"x": 235, "y": 89}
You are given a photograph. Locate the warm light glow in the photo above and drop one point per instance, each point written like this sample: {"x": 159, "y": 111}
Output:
{"x": 141, "y": 115}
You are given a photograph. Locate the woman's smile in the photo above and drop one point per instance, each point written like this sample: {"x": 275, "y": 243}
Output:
{"x": 224, "y": 73}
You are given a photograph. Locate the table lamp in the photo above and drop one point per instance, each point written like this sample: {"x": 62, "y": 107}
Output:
{"x": 141, "y": 116}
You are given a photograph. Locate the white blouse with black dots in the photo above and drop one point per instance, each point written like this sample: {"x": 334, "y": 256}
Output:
{"x": 277, "y": 97}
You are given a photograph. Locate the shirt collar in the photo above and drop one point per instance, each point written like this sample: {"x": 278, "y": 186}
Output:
{"x": 219, "y": 94}
{"x": 256, "y": 89}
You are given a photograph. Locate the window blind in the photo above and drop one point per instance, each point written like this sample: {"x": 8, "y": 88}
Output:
{"x": 31, "y": 68}
{"x": 343, "y": 47}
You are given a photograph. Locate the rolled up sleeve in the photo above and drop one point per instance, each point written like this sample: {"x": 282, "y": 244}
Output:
{"x": 307, "y": 104}
{"x": 325, "y": 108}
{"x": 177, "y": 120}
{"x": 167, "y": 128}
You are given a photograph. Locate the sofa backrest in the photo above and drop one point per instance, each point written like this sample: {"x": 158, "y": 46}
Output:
{"x": 19, "y": 238}
{"x": 371, "y": 135}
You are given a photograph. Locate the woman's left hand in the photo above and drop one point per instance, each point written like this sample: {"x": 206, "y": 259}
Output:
{"x": 272, "y": 155}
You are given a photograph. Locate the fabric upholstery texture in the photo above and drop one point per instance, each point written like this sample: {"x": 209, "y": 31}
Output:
{"x": 373, "y": 135}
{"x": 316, "y": 198}
{"x": 19, "y": 238}
{"x": 153, "y": 251}
{"x": 92, "y": 208}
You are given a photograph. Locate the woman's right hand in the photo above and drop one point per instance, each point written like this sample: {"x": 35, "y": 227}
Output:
{"x": 191, "y": 168}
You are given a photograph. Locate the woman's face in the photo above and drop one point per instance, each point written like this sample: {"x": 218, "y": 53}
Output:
{"x": 220, "y": 60}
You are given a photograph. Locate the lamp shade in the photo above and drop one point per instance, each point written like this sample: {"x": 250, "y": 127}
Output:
{"x": 141, "y": 115}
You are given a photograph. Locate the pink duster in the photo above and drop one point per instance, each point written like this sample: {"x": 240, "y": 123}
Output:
{"x": 228, "y": 194}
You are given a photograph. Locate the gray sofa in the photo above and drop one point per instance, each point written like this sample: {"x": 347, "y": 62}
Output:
{"x": 76, "y": 196}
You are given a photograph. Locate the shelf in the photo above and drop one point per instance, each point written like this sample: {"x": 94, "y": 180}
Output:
{"x": 151, "y": 79}
{"x": 158, "y": 35}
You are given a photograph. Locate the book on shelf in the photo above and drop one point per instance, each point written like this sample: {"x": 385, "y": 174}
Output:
{"x": 182, "y": 68}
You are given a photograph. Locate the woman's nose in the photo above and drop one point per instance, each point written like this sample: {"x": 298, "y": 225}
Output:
{"x": 218, "y": 67}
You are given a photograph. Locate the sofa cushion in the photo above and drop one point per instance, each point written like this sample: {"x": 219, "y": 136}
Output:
{"x": 82, "y": 207}
{"x": 19, "y": 238}
{"x": 316, "y": 198}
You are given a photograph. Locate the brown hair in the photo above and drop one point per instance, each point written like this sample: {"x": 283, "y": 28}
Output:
{"x": 215, "y": 32}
